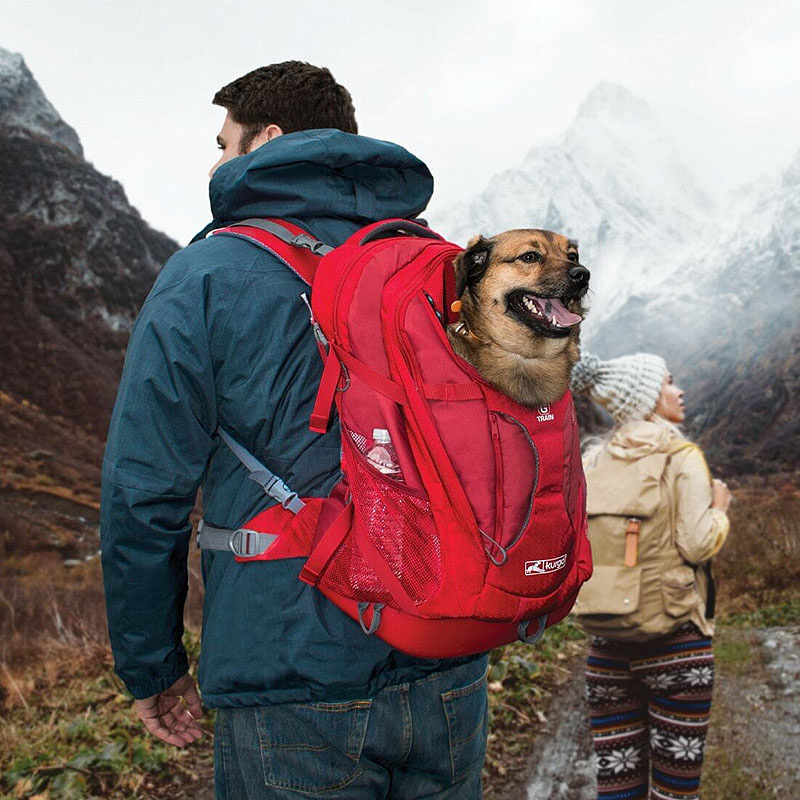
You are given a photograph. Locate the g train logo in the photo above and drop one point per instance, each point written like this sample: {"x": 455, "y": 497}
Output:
{"x": 545, "y": 415}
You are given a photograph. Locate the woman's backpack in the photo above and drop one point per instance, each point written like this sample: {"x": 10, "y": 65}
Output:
{"x": 480, "y": 537}
{"x": 641, "y": 588}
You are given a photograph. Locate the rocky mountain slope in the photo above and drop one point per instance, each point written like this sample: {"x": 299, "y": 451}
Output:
{"x": 727, "y": 321}
{"x": 711, "y": 288}
{"x": 76, "y": 261}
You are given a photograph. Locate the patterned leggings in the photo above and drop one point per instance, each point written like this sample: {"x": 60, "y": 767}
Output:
{"x": 649, "y": 705}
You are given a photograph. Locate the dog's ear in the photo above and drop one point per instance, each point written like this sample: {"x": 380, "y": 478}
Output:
{"x": 471, "y": 265}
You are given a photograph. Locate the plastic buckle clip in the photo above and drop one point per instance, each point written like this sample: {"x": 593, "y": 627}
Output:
{"x": 308, "y": 243}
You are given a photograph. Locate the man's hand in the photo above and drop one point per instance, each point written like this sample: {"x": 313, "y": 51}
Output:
{"x": 166, "y": 716}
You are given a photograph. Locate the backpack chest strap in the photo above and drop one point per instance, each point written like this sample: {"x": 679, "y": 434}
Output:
{"x": 267, "y": 480}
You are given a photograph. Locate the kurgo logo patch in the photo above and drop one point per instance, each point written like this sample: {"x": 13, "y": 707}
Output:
{"x": 544, "y": 414}
{"x": 545, "y": 565}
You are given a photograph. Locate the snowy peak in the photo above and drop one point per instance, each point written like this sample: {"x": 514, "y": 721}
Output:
{"x": 612, "y": 103}
{"x": 615, "y": 181}
{"x": 791, "y": 177}
{"x": 24, "y": 106}
{"x": 623, "y": 148}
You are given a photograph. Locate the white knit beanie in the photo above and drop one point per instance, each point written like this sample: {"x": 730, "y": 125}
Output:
{"x": 628, "y": 387}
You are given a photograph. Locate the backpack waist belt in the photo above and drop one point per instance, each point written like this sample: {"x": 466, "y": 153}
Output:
{"x": 242, "y": 542}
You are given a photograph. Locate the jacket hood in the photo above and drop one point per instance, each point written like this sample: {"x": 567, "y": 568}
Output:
{"x": 639, "y": 438}
{"x": 321, "y": 174}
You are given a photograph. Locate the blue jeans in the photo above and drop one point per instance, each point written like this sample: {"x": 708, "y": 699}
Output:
{"x": 425, "y": 739}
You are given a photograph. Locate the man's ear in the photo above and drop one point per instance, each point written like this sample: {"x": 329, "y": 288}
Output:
{"x": 266, "y": 134}
{"x": 471, "y": 265}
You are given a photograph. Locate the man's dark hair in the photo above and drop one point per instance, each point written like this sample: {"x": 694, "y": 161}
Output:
{"x": 294, "y": 95}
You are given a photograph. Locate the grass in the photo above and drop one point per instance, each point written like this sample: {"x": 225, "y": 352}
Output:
{"x": 725, "y": 777}
{"x": 522, "y": 679}
{"x": 67, "y": 729}
{"x": 733, "y": 656}
{"x": 758, "y": 570}
{"x": 76, "y": 736}
{"x": 768, "y": 616}
{"x": 67, "y": 726}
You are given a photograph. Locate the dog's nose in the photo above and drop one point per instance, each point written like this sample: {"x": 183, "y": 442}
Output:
{"x": 579, "y": 275}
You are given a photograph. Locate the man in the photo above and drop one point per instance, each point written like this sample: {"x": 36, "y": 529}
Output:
{"x": 308, "y": 704}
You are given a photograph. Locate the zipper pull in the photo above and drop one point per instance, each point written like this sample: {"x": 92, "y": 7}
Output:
{"x": 318, "y": 334}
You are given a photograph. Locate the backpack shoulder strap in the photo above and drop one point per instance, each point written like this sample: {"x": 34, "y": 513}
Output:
{"x": 288, "y": 242}
{"x": 678, "y": 445}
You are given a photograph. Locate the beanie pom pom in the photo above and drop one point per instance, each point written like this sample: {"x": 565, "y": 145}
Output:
{"x": 584, "y": 373}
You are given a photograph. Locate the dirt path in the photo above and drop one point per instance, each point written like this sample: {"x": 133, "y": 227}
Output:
{"x": 754, "y": 741}
{"x": 563, "y": 764}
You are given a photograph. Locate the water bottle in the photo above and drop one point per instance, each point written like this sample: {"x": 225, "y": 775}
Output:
{"x": 383, "y": 456}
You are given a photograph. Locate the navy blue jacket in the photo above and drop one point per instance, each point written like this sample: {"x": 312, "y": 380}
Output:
{"x": 223, "y": 340}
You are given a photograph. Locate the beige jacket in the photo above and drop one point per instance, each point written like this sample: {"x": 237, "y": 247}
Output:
{"x": 646, "y": 471}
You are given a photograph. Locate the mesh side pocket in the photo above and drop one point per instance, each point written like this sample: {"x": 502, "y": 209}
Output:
{"x": 349, "y": 574}
{"x": 398, "y": 523}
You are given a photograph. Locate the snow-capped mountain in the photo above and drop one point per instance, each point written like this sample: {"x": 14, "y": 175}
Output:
{"x": 614, "y": 181}
{"x": 712, "y": 288}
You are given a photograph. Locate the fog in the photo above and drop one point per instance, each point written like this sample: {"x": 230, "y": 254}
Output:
{"x": 469, "y": 86}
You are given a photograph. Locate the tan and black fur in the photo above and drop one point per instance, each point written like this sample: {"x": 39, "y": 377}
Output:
{"x": 519, "y": 352}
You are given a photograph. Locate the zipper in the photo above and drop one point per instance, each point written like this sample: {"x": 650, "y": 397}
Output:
{"x": 533, "y": 447}
{"x": 498, "y": 491}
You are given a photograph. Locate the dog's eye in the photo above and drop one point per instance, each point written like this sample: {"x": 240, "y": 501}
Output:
{"x": 573, "y": 257}
{"x": 531, "y": 258}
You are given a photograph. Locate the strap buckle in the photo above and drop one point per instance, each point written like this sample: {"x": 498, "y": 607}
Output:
{"x": 307, "y": 242}
{"x": 245, "y": 543}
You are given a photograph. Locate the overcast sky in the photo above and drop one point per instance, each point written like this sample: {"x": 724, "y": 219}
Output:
{"x": 468, "y": 86}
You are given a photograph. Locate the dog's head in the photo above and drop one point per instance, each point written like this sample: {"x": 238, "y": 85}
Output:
{"x": 523, "y": 289}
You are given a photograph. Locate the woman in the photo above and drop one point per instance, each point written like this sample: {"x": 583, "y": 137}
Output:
{"x": 656, "y": 519}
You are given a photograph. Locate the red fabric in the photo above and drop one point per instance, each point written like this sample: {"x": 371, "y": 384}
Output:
{"x": 295, "y": 531}
{"x": 481, "y": 475}
{"x": 321, "y": 413}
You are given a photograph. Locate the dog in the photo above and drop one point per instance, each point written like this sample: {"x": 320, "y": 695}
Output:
{"x": 521, "y": 302}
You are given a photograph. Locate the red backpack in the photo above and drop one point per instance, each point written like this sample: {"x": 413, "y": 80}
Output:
{"x": 481, "y": 538}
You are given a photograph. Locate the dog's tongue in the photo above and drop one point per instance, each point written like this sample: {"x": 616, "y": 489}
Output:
{"x": 554, "y": 309}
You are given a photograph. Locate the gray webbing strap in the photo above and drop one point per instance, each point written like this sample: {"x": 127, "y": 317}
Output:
{"x": 241, "y": 542}
{"x": 532, "y": 638}
{"x": 268, "y": 481}
{"x": 297, "y": 240}
{"x": 376, "y": 617}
